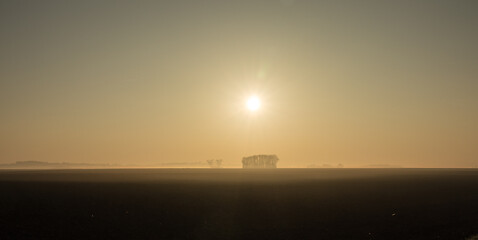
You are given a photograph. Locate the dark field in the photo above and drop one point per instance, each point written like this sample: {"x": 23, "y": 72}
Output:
{"x": 239, "y": 204}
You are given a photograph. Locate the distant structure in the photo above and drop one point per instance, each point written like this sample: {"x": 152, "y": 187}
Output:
{"x": 214, "y": 163}
{"x": 260, "y": 161}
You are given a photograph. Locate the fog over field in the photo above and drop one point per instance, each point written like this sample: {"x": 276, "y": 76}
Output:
{"x": 238, "y": 119}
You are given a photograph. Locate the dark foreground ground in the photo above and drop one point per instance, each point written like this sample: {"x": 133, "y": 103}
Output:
{"x": 239, "y": 204}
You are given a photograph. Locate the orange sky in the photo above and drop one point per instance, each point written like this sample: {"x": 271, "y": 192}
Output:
{"x": 151, "y": 82}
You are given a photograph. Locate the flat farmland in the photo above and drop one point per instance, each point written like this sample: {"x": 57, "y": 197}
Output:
{"x": 239, "y": 204}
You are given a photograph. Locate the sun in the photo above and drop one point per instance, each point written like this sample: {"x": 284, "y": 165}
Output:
{"x": 253, "y": 103}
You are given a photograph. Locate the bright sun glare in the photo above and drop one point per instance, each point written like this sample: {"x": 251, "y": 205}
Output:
{"x": 253, "y": 103}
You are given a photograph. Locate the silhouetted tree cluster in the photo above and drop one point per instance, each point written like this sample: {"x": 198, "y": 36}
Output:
{"x": 260, "y": 161}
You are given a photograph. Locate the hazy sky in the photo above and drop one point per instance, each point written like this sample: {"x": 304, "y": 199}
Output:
{"x": 150, "y": 82}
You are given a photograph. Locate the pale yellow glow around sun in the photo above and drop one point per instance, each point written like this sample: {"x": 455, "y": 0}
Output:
{"x": 253, "y": 103}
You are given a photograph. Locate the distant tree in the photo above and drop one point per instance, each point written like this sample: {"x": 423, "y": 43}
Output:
{"x": 210, "y": 163}
{"x": 214, "y": 163}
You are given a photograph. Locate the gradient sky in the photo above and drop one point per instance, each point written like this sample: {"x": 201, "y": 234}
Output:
{"x": 151, "y": 82}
